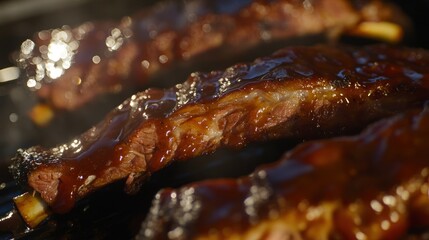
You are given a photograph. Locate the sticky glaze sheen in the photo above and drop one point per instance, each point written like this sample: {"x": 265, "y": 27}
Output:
{"x": 372, "y": 186}
{"x": 297, "y": 92}
{"x": 69, "y": 67}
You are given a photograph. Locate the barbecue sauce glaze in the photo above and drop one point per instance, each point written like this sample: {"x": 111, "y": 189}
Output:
{"x": 391, "y": 78}
{"x": 371, "y": 186}
{"x": 69, "y": 67}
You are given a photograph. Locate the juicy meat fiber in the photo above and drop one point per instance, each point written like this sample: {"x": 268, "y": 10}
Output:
{"x": 298, "y": 92}
{"x": 371, "y": 186}
{"x": 69, "y": 67}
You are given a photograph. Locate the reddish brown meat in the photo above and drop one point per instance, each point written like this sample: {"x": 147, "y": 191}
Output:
{"x": 69, "y": 67}
{"x": 297, "y": 92}
{"x": 372, "y": 186}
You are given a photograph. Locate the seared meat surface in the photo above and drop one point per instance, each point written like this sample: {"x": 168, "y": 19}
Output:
{"x": 298, "y": 92}
{"x": 69, "y": 67}
{"x": 370, "y": 186}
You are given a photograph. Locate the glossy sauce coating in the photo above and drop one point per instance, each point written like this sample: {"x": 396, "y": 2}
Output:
{"x": 298, "y": 92}
{"x": 371, "y": 186}
{"x": 69, "y": 67}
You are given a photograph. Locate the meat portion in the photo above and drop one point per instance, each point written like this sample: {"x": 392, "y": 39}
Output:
{"x": 69, "y": 67}
{"x": 298, "y": 92}
{"x": 371, "y": 186}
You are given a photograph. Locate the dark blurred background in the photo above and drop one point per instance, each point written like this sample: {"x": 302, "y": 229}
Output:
{"x": 19, "y": 20}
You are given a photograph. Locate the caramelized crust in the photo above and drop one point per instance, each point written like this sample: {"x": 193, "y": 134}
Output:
{"x": 69, "y": 67}
{"x": 371, "y": 186}
{"x": 298, "y": 92}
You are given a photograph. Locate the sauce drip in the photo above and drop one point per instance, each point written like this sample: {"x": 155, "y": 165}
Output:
{"x": 97, "y": 152}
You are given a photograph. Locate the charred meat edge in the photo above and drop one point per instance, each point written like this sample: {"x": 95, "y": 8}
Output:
{"x": 298, "y": 92}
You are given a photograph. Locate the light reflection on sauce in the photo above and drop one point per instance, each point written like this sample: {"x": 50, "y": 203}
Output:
{"x": 104, "y": 146}
{"x": 13, "y": 117}
{"x": 109, "y": 56}
{"x": 363, "y": 187}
